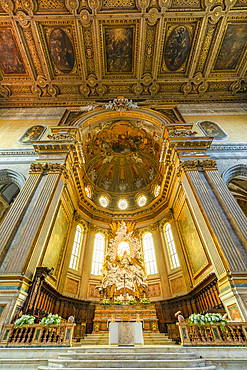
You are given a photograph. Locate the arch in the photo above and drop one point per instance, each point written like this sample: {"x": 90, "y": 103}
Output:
{"x": 234, "y": 171}
{"x": 7, "y": 175}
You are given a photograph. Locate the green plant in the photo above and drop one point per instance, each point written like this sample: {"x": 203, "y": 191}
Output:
{"x": 207, "y": 320}
{"x": 51, "y": 320}
{"x": 145, "y": 301}
{"x": 24, "y": 320}
{"x": 105, "y": 302}
{"x": 132, "y": 302}
{"x": 118, "y": 302}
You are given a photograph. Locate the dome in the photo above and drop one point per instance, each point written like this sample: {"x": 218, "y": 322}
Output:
{"x": 122, "y": 158}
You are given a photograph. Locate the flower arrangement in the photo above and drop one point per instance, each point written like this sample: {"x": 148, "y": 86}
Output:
{"x": 145, "y": 301}
{"x": 105, "y": 302}
{"x": 118, "y": 302}
{"x": 51, "y": 320}
{"x": 132, "y": 302}
{"x": 24, "y": 320}
{"x": 207, "y": 320}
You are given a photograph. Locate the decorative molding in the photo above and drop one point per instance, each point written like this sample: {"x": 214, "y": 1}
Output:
{"x": 120, "y": 103}
{"x": 18, "y": 152}
{"x": 195, "y": 165}
{"x": 167, "y": 218}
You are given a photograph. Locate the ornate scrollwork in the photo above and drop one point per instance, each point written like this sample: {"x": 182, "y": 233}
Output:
{"x": 181, "y": 133}
{"x": 37, "y": 167}
{"x": 4, "y": 91}
{"x": 189, "y": 165}
{"x": 120, "y": 103}
{"x": 62, "y": 136}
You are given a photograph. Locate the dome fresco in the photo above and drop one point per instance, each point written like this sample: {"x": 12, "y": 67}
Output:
{"x": 122, "y": 156}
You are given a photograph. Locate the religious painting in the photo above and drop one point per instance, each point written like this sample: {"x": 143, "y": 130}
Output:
{"x": 119, "y": 49}
{"x": 61, "y": 50}
{"x": 212, "y": 129}
{"x": 122, "y": 137}
{"x": 232, "y": 47}
{"x": 234, "y": 312}
{"x": 10, "y": 58}
{"x": 177, "y": 48}
{"x": 31, "y": 134}
{"x": 192, "y": 242}
{"x": 56, "y": 242}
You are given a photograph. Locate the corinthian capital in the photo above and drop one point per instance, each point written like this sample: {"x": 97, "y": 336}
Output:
{"x": 37, "y": 168}
{"x": 208, "y": 164}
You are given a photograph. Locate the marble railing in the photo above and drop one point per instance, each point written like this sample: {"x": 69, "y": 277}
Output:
{"x": 37, "y": 335}
{"x": 234, "y": 333}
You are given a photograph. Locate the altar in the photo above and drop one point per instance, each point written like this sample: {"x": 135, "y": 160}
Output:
{"x": 125, "y": 333}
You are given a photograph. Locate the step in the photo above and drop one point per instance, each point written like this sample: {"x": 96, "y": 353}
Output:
{"x": 127, "y": 350}
{"x": 102, "y": 364}
{"x": 131, "y": 368}
{"x": 122, "y": 356}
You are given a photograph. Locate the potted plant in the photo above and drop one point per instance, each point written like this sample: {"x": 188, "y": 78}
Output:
{"x": 118, "y": 302}
{"x": 145, "y": 301}
{"x": 24, "y": 320}
{"x": 132, "y": 302}
{"x": 105, "y": 302}
{"x": 207, "y": 320}
{"x": 51, "y": 320}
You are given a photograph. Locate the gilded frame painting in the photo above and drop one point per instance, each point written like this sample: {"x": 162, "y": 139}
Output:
{"x": 118, "y": 41}
{"x": 11, "y": 61}
{"x": 192, "y": 241}
{"x": 212, "y": 129}
{"x": 32, "y": 133}
{"x": 232, "y": 47}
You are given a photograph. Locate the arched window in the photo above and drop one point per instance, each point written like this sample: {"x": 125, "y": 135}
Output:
{"x": 98, "y": 254}
{"x": 149, "y": 254}
{"x": 174, "y": 261}
{"x": 74, "y": 259}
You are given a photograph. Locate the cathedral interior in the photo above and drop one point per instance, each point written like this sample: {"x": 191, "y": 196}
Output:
{"x": 123, "y": 158}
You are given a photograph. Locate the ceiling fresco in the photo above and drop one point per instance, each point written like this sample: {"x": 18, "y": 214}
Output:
{"x": 71, "y": 52}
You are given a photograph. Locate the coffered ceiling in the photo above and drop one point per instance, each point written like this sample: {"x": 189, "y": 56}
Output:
{"x": 69, "y": 52}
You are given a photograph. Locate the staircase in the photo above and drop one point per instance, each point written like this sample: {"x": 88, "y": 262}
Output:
{"x": 127, "y": 358}
{"x": 102, "y": 339}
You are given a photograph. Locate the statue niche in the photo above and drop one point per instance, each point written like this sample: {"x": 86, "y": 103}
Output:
{"x": 124, "y": 275}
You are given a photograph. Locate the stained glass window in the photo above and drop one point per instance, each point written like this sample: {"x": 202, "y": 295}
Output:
{"x": 174, "y": 261}
{"x": 149, "y": 254}
{"x": 98, "y": 254}
{"x": 74, "y": 260}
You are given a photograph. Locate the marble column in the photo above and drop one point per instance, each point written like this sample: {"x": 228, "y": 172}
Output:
{"x": 226, "y": 224}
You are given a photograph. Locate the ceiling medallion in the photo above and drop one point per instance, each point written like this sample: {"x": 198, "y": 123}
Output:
{"x": 122, "y": 204}
{"x": 142, "y": 200}
{"x": 103, "y": 201}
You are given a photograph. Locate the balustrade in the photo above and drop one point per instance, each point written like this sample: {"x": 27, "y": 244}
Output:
{"x": 234, "y": 333}
{"x": 37, "y": 335}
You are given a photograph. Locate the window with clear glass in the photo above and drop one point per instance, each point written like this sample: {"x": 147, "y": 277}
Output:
{"x": 173, "y": 255}
{"x": 98, "y": 254}
{"x": 74, "y": 259}
{"x": 149, "y": 254}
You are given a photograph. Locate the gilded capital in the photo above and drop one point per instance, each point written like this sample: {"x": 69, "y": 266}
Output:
{"x": 208, "y": 164}
{"x": 57, "y": 168}
{"x": 37, "y": 168}
{"x": 189, "y": 165}
{"x": 181, "y": 133}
